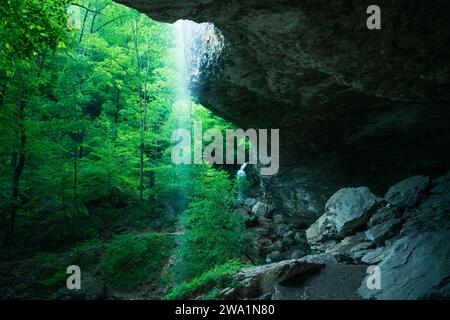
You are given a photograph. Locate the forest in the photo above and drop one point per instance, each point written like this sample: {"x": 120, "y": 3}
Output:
{"x": 90, "y": 95}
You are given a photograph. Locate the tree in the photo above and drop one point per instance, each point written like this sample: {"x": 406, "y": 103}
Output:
{"x": 29, "y": 29}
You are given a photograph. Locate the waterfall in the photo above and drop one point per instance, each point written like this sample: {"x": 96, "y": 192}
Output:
{"x": 241, "y": 178}
{"x": 241, "y": 172}
{"x": 202, "y": 45}
{"x": 198, "y": 48}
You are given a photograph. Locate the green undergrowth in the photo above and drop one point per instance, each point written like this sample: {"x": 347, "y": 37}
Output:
{"x": 208, "y": 285}
{"x": 124, "y": 263}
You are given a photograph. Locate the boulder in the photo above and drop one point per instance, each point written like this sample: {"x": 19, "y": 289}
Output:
{"x": 263, "y": 222}
{"x": 407, "y": 192}
{"x": 250, "y": 202}
{"x": 297, "y": 254}
{"x": 346, "y": 210}
{"x": 274, "y": 256}
{"x": 263, "y": 232}
{"x": 361, "y": 246}
{"x": 276, "y": 246}
{"x": 299, "y": 237}
{"x": 415, "y": 267}
{"x": 349, "y": 209}
{"x": 250, "y": 220}
{"x": 374, "y": 256}
{"x": 325, "y": 247}
{"x": 384, "y": 214}
{"x": 334, "y": 281}
{"x": 343, "y": 246}
{"x": 261, "y": 209}
{"x": 441, "y": 185}
{"x": 438, "y": 198}
{"x": 258, "y": 281}
{"x": 228, "y": 293}
{"x": 416, "y": 264}
{"x": 319, "y": 231}
{"x": 256, "y": 247}
{"x": 381, "y": 232}
{"x": 360, "y": 250}
{"x": 357, "y": 255}
{"x": 281, "y": 229}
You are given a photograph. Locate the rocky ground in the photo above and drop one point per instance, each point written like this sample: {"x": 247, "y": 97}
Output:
{"x": 405, "y": 233}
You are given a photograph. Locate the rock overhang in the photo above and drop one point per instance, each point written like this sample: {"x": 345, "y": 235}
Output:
{"x": 379, "y": 99}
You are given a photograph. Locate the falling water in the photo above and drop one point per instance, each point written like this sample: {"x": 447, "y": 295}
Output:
{"x": 183, "y": 105}
{"x": 241, "y": 173}
{"x": 198, "y": 48}
{"x": 202, "y": 45}
{"x": 241, "y": 178}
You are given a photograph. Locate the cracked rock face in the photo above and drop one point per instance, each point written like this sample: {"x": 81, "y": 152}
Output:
{"x": 363, "y": 107}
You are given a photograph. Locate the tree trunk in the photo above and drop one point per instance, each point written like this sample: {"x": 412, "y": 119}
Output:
{"x": 93, "y": 22}
{"x": 83, "y": 26}
{"x": 18, "y": 164}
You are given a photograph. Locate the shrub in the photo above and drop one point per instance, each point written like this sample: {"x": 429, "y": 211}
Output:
{"x": 213, "y": 233}
{"x": 127, "y": 261}
{"x": 131, "y": 259}
{"x": 208, "y": 284}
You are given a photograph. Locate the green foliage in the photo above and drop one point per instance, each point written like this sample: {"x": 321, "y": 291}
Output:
{"x": 29, "y": 26}
{"x": 82, "y": 87}
{"x": 209, "y": 283}
{"x": 213, "y": 233}
{"x": 140, "y": 259}
{"x": 127, "y": 261}
{"x": 80, "y": 118}
{"x": 50, "y": 268}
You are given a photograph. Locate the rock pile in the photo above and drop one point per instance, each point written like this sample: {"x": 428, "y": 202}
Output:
{"x": 405, "y": 234}
{"x": 274, "y": 236}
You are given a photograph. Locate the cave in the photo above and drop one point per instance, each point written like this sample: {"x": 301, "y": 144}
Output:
{"x": 136, "y": 161}
{"x": 354, "y": 106}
